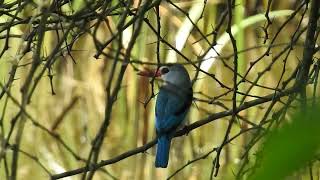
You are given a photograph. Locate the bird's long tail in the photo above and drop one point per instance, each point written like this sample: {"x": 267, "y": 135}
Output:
{"x": 162, "y": 156}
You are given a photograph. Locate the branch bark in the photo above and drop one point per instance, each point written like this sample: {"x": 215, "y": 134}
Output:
{"x": 308, "y": 52}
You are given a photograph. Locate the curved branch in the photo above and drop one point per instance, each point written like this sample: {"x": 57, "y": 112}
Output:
{"x": 184, "y": 131}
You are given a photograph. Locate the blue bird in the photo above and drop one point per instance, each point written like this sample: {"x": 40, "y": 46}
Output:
{"x": 173, "y": 102}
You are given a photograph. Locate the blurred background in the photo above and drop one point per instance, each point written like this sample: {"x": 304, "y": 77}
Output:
{"x": 60, "y": 117}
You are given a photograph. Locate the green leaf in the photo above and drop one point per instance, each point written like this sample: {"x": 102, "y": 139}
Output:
{"x": 290, "y": 147}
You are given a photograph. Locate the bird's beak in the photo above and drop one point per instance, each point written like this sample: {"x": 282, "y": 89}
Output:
{"x": 150, "y": 72}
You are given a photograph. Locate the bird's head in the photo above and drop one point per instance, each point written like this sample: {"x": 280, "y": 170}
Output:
{"x": 172, "y": 74}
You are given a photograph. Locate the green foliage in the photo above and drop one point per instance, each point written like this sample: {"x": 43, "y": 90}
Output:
{"x": 290, "y": 147}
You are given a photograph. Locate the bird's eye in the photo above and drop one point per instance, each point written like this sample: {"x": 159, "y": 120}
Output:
{"x": 164, "y": 70}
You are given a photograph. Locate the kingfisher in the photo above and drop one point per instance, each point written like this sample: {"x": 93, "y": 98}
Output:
{"x": 172, "y": 105}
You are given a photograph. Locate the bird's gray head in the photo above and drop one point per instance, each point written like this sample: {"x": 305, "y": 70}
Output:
{"x": 175, "y": 75}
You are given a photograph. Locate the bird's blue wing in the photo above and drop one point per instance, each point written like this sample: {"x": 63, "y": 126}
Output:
{"x": 171, "y": 109}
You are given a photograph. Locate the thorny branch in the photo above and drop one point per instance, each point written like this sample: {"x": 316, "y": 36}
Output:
{"x": 69, "y": 27}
